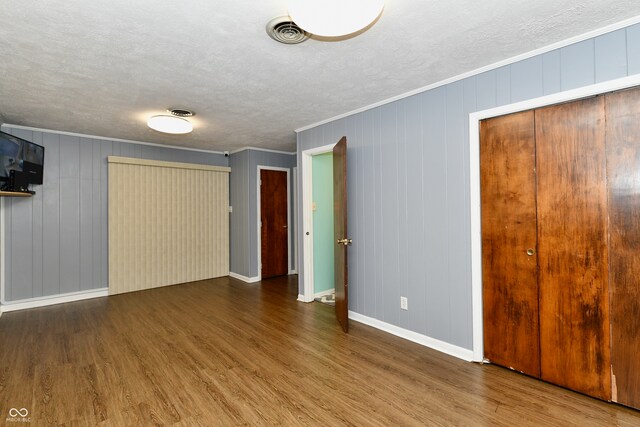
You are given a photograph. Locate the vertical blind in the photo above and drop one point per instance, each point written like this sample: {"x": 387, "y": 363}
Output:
{"x": 168, "y": 223}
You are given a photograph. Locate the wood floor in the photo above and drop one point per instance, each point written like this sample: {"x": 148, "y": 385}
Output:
{"x": 221, "y": 352}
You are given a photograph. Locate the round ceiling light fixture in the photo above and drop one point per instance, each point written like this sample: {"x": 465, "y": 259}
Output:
{"x": 334, "y": 18}
{"x": 174, "y": 122}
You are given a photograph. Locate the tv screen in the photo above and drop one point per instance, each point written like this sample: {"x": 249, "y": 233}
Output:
{"x": 22, "y": 156}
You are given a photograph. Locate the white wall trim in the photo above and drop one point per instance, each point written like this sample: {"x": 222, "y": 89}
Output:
{"x": 585, "y": 36}
{"x": 105, "y": 138}
{"x": 294, "y": 252}
{"x": 2, "y": 243}
{"x": 474, "y": 182}
{"x": 259, "y": 212}
{"x": 301, "y": 298}
{"x": 324, "y": 293}
{"x": 244, "y": 278}
{"x": 266, "y": 150}
{"x": 53, "y": 300}
{"x": 307, "y": 216}
{"x": 444, "y": 347}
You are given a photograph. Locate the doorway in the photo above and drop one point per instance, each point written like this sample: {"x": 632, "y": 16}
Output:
{"x": 322, "y": 208}
{"x": 273, "y": 221}
{"x": 308, "y": 219}
{"x": 340, "y": 229}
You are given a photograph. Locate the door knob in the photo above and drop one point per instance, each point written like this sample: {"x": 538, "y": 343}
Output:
{"x": 345, "y": 242}
{"x": 531, "y": 252}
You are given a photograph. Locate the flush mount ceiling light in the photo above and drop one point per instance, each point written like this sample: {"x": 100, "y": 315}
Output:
{"x": 174, "y": 122}
{"x": 333, "y": 18}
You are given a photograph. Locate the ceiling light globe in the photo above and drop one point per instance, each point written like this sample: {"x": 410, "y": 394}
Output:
{"x": 333, "y": 18}
{"x": 170, "y": 124}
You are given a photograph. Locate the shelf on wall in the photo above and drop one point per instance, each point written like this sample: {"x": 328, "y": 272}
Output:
{"x": 14, "y": 194}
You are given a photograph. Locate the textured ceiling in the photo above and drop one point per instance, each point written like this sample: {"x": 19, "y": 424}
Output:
{"x": 102, "y": 67}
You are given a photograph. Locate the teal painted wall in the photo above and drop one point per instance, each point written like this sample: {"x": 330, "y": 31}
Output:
{"x": 322, "y": 168}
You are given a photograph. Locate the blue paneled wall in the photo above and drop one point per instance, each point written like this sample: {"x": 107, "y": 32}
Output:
{"x": 409, "y": 186}
{"x": 243, "y": 193}
{"x": 56, "y": 241}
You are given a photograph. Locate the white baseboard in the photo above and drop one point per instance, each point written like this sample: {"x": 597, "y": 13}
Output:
{"x": 293, "y": 272}
{"x": 323, "y": 293}
{"x": 444, "y": 347}
{"x": 301, "y": 298}
{"x": 53, "y": 300}
{"x": 244, "y": 278}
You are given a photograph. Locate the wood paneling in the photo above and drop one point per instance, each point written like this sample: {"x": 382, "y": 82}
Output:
{"x": 168, "y": 223}
{"x": 623, "y": 167}
{"x": 572, "y": 246}
{"x": 510, "y": 277}
{"x": 220, "y": 352}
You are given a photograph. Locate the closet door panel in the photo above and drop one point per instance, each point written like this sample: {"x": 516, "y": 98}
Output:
{"x": 510, "y": 288}
{"x": 623, "y": 168}
{"x": 572, "y": 243}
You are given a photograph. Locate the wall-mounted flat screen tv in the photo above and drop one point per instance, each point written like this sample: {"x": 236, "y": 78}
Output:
{"x": 22, "y": 156}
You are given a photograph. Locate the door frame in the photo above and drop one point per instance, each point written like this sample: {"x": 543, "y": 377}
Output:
{"x": 307, "y": 217}
{"x": 259, "y": 214}
{"x": 2, "y": 260}
{"x": 474, "y": 183}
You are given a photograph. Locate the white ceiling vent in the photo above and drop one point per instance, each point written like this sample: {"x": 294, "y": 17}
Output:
{"x": 282, "y": 29}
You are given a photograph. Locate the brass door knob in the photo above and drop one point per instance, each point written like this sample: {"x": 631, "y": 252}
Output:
{"x": 345, "y": 242}
{"x": 531, "y": 252}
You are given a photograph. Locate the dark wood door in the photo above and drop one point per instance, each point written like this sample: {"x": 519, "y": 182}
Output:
{"x": 274, "y": 226}
{"x": 509, "y": 260}
{"x": 340, "y": 232}
{"x": 623, "y": 166}
{"x": 572, "y": 244}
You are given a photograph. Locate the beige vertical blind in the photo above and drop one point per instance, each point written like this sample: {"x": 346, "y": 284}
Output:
{"x": 168, "y": 223}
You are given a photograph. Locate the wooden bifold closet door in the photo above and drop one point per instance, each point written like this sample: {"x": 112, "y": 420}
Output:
{"x": 509, "y": 230}
{"x": 572, "y": 246}
{"x": 623, "y": 177}
{"x": 561, "y": 298}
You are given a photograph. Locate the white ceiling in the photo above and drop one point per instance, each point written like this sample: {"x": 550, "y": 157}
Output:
{"x": 102, "y": 67}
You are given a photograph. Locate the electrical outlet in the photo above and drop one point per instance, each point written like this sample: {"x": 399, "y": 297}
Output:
{"x": 404, "y": 304}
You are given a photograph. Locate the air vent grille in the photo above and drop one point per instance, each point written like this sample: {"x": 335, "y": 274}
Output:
{"x": 282, "y": 29}
{"x": 180, "y": 112}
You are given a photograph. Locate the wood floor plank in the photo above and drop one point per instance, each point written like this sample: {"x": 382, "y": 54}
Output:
{"x": 221, "y": 352}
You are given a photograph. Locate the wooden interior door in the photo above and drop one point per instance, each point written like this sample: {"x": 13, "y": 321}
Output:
{"x": 340, "y": 232}
{"x": 509, "y": 260}
{"x": 274, "y": 227}
{"x": 572, "y": 243}
{"x": 623, "y": 166}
